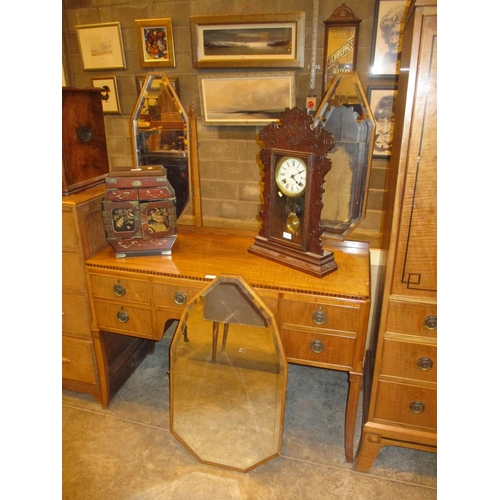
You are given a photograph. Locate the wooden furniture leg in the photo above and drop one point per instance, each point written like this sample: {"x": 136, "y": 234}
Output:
{"x": 368, "y": 451}
{"x": 355, "y": 380}
{"x": 102, "y": 363}
{"x": 215, "y": 336}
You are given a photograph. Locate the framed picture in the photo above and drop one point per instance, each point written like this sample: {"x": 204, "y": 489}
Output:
{"x": 111, "y": 105}
{"x": 382, "y": 101}
{"x": 248, "y": 41}
{"x": 341, "y": 44}
{"x": 156, "y": 42}
{"x": 387, "y": 37}
{"x": 255, "y": 99}
{"x": 142, "y": 78}
{"x": 101, "y": 46}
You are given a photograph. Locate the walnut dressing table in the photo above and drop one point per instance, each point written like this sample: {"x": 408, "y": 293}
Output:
{"x": 322, "y": 321}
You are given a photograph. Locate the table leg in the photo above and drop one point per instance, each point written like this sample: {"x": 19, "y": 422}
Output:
{"x": 355, "y": 380}
{"x": 367, "y": 452}
{"x": 215, "y": 335}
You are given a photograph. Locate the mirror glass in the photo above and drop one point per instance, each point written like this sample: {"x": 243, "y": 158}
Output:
{"x": 228, "y": 378}
{"x": 346, "y": 114}
{"x": 160, "y": 131}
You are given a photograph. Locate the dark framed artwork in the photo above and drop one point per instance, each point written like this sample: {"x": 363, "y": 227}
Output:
{"x": 382, "y": 101}
{"x": 248, "y": 41}
{"x": 341, "y": 44}
{"x": 387, "y": 37}
{"x": 111, "y": 104}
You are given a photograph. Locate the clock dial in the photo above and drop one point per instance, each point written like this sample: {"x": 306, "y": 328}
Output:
{"x": 291, "y": 176}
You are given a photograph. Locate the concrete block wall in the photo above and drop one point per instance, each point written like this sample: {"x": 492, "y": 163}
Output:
{"x": 228, "y": 156}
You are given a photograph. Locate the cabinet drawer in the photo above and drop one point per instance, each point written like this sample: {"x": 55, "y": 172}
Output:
{"x": 339, "y": 317}
{"x": 176, "y": 295}
{"x": 125, "y": 318}
{"x": 412, "y": 318}
{"x": 73, "y": 273}
{"x": 75, "y": 315}
{"x": 120, "y": 289}
{"x": 318, "y": 347}
{"x": 78, "y": 360}
{"x": 406, "y": 404}
{"x": 409, "y": 360}
{"x": 70, "y": 238}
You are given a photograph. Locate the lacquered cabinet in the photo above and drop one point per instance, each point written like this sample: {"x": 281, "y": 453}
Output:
{"x": 402, "y": 399}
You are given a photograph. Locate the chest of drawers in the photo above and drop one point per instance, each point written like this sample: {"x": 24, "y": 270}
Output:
{"x": 322, "y": 322}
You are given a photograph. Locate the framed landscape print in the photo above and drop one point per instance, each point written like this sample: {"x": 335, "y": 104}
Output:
{"x": 387, "y": 37}
{"x": 156, "y": 42}
{"x": 101, "y": 46}
{"x": 254, "y": 99}
{"x": 248, "y": 41}
{"x": 382, "y": 101}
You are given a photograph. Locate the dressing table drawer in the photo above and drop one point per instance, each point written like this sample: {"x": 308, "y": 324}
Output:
{"x": 330, "y": 316}
{"x": 311, "y": 347}
{"x": 125, "y": 318}
{"x": 177, "y": 295}
{"x": 120, "y": 289}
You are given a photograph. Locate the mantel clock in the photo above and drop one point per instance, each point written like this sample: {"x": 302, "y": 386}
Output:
{"x": 295, "y": 164}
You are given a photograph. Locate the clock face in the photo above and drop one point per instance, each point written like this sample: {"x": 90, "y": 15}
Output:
{"x": 291, "y": 176}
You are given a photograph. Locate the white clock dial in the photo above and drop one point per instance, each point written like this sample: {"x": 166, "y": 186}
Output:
{"x": 291, "y": 176}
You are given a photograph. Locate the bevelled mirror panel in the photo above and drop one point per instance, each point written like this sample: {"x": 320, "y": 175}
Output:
{"x": 228, "y": 377}
{"x": 346, "y": 114}
{"x": 160, "y": 131}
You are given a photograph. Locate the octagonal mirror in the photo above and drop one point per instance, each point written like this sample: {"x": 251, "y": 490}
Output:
{"x": 162, "y": 135}
{"x": 228, "y": 377}
{"x": 345, "y": 113}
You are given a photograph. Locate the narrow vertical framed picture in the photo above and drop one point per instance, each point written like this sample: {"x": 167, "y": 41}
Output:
{"x": 387, "y": 39}
{"x": 110, "y": 102}
{"x": 382, "y": 101}
{"x": 101, "y": 46}
{"x": 156, "y": 42}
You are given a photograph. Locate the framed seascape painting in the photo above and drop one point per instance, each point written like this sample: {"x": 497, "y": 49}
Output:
{"x": 255, "y": 99}
{"x": 248, "y": 41}
{"x": 382, "y": 101}
{"x": 387, "y": 37}
{"x": 101, "y": 46}
{"x": 156, "y": 42}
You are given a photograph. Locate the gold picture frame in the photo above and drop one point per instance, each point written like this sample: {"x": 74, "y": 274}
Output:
{"x": 101, "y": 46}
{"x": 248, "y": 41}
{"x": 156, "y": 42}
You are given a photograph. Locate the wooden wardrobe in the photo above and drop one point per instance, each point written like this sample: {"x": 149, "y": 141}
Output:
{"x": 401, "y": 365}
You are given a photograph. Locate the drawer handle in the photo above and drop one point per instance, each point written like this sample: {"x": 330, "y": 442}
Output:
{"x": 319, "y": 317}
{"x": 431, "y": 322}
{"x": 425, "y": 363}
{"x": 317, "y": 346}
{"x": 417, "y": 407}
{"x": 66, "y": 360}
{"x": 119, "y": 290}
{"x": 122, "y": 316}
{"x": 180, "y": 298}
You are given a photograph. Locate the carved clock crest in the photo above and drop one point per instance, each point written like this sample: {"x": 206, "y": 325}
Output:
{"x": 295, "y": 165}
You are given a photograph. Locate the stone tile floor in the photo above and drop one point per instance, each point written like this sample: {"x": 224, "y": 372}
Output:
{"x": 127, "y": 452}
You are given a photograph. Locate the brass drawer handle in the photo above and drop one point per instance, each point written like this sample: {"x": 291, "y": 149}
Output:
{"x": 319, "y": 317}
{"x": 180, "y": 298}
{"x": 317, "y": 346}
{"x": 66, "y": 360}
{"x": 431, "y": 322}
{"x": 122, "y": 316}
{"x": 425, "y": 363}
{"x": 119, "y": 290}
{"x": 417, "y": 407}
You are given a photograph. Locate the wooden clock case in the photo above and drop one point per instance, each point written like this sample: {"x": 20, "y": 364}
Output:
{"x": 295, "y": 136}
